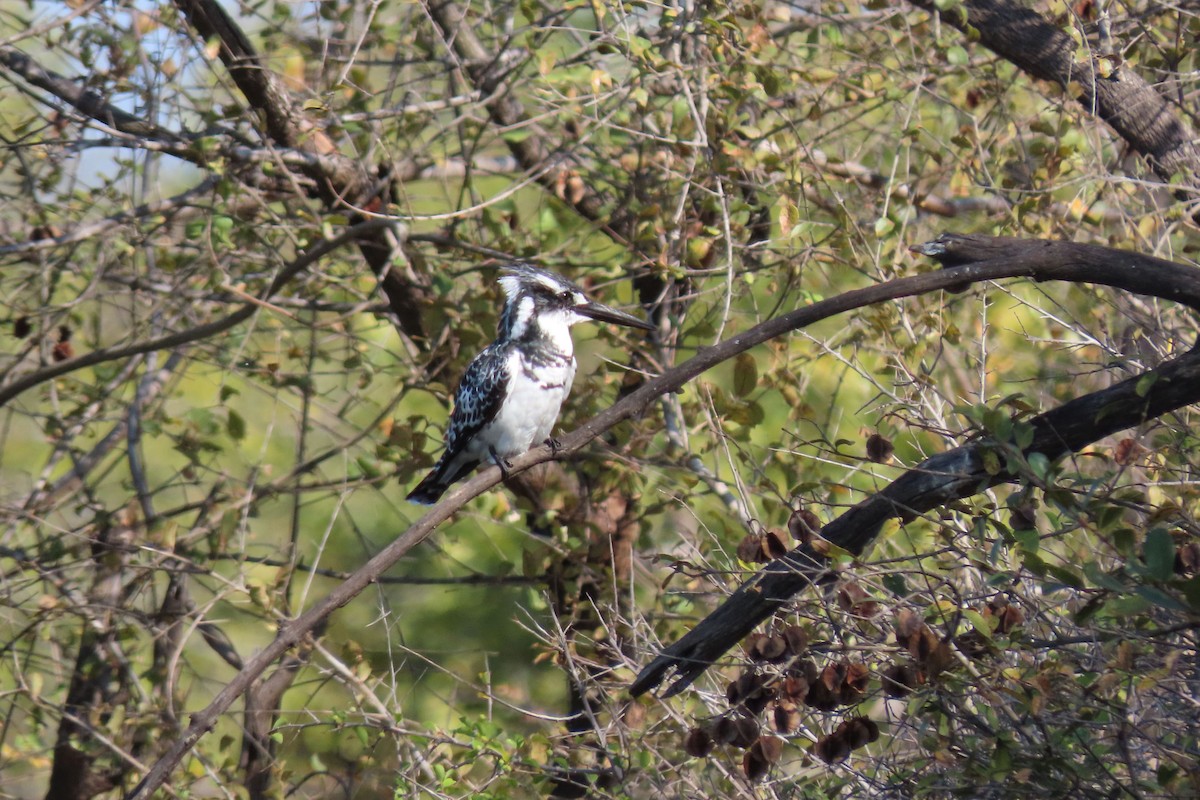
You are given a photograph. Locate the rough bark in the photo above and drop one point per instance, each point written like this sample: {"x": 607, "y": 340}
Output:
{"x": 1122, "y": 98}
{"x": 340, "y": 181}
{"x": 262, "y": 708}
{"x": 99, "y": 681}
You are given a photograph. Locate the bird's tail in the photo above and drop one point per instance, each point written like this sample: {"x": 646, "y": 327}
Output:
{"x": 435, "y": 484}
{"x": 431, "y": 487}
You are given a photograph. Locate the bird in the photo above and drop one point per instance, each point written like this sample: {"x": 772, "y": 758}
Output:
{"x": 511, "y": 393}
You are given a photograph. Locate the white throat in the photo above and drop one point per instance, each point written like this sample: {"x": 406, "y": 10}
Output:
{"x": 556, "y": 327}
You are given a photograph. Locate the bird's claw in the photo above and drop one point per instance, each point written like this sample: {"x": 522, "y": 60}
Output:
{"x": 554, "y": 444}
{"x": 503, "y": 463}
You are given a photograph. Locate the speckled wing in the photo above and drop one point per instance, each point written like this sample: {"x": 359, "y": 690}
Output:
{"x": 480, "y": 394}
{"x": 476, "y": 403}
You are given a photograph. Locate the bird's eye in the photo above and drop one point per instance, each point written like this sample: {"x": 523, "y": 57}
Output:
{"x": 568, "y": 296}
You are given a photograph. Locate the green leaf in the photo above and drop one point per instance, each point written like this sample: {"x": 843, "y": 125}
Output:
{"x": 1160, "y": 598}
{"x": 1103, "y": 579}
{"x": 1039, "y": 465}
{"x": 1028, "y": 540}
{"x": 1159, "y": 554}
{"x": 745, "y": 375}
{"x": 1191, "y": 591}
{"x": 235, "y": 426}
{"x": 1066, "y": 576}
{"x": 978, "y": 622}
{"x": 1123, "y": 540}
{"x": 895, "y": 583}
{"x": 370, "y": 468}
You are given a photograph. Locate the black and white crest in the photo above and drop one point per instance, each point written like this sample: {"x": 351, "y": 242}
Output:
{"x": 510, "y": 395}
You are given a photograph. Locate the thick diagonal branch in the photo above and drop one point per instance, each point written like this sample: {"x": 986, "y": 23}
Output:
{"x": 959, "y": 473}
{"x": 953, "y": 475}
{"x": 1118, "y": 95}
{"x": 341, "y": 181}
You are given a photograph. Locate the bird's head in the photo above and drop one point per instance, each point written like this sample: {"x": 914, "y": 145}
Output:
{"x": 536, "y": 300}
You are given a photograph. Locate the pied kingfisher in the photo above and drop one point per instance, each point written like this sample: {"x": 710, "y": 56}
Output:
{"x": 510, "y": 395}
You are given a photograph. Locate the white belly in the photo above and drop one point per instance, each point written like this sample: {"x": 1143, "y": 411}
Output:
{"x": 535, "y": 396}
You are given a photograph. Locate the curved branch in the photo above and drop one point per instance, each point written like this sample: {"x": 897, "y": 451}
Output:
{"x": 960, "y": 472}
{"x": 1040, "y": 261}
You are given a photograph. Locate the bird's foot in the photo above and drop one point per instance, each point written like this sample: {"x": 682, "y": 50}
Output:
{"x": 554, "y": 444}
{"x": 503, "y": 463}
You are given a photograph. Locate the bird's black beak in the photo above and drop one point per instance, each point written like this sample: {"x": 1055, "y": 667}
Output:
{"x": 602, "y": 313}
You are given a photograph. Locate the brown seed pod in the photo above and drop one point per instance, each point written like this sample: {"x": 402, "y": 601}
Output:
{"x": 1187, "y": 558}
{"x": 796, "y": 639}
{"x": 744, "y": 686}
{"x": 1127, "y": 452}
{"x": 795, "y": 688}
{"x": 832, "y": 749}
{"x": 724, "y": 731}
{"x": 772, "y": 648}
{"x": 755, "y": 765}
{"x": 698, "y": 743}
{"x": 751, "y": 643}
{"x": 859, "y": 732}
{"x": 773, "y": 546}
{"x": 820, "y": 697}
{"x": 854, "y": 685}
{"x": 786, "y": 716}
{"x": 899, "y": 680}
{"x": 750, "y": 550}
{"x": 771, "y": 748}
{"x": 879, "y": 449}
{"x": 1007, "y": 615}
{"x": 804, "y": 525}
{"x": 745, "y": 731}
